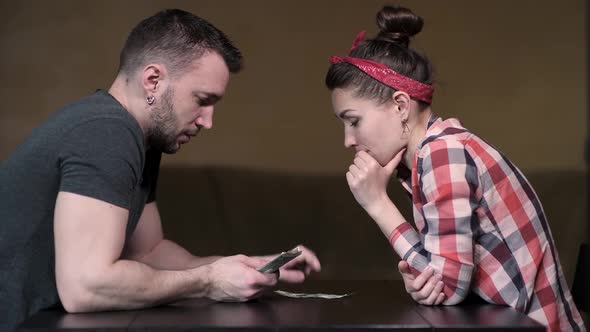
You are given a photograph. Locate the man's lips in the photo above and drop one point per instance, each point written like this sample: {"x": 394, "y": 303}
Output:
{"x": 184, "y": 138}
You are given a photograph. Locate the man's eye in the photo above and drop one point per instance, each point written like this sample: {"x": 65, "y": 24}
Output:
{"x": 204, "y": 102}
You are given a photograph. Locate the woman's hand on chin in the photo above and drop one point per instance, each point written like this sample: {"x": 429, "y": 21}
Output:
{"x": 368, "y": 180}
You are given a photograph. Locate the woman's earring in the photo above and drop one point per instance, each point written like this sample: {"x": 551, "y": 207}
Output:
{"x": 150, "y": 100}
{"x": 405, "y": 126}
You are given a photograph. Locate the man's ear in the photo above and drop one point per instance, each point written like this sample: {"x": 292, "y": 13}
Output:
{"x": 153, "y": 78}
{"x": 401, "y": 104}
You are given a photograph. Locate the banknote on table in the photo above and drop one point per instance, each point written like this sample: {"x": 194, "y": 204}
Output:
{"x": 312, "y": 295}
{"x": 282, "y": 259}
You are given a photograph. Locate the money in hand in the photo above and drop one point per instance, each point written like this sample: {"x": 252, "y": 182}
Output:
{"x": 282, "y": 259}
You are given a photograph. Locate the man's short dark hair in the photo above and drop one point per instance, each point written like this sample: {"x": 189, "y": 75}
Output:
{"x": 175, "y": 38}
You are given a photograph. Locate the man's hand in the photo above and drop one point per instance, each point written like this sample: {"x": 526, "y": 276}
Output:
{"x": 235, "y": 279}
{"x": 426, "y": 288}
{"x": 368, "y": 180}
{"x": 299, "y": 268}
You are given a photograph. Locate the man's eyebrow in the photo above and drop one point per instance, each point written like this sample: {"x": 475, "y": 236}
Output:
{"x": 212, "y": 97}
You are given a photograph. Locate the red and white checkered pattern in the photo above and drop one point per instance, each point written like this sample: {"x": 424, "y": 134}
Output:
{"x": 481, "y": 226}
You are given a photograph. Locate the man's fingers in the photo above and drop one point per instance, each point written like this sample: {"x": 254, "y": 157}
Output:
{"x": 260, "y": 279}
{"x": 266, "y": 279}
{"x": 440, "y": 298}
{"x": 292, "y": 276}
{"x": 308, "y": 261}
{"x": 312, "y": 262}
{"x": 253, "y": 262}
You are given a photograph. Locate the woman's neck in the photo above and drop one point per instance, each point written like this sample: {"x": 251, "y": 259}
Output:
{"x": 417, "y": 133}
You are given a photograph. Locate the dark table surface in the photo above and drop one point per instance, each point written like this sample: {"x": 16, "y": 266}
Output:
{"x": 374, "y": 305}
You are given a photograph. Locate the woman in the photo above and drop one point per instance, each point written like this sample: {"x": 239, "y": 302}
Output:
{"x": 479, "y": 224}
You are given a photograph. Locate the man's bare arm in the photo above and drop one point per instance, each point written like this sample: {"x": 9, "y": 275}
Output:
{"x": 89, "y": 239}
{"x": 148, "y": 245}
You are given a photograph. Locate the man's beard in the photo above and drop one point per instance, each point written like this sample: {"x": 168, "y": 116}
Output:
{"x": 162, "y": 135}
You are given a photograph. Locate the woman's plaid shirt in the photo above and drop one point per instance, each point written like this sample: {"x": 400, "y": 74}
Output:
{"x": 482, "y": 227}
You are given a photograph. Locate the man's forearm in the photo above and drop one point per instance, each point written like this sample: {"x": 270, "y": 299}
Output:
{"x": 129, "y": 285}
{"x": 168, "y": 255}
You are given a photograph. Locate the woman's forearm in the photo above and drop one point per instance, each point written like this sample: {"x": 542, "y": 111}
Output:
{"x": 386, "y": 215}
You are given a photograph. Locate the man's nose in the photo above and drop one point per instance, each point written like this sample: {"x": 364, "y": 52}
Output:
{"x": 205, "y": 120}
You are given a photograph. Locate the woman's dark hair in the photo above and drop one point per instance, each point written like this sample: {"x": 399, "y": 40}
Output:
{"x": 176, "y": 38}
{"x": 391, "y": 48}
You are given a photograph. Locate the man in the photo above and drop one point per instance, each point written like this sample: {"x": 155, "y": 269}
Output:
{"x": 79, "y": 222}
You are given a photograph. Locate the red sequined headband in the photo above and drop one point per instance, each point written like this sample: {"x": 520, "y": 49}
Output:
{"x": 382, "y": 73}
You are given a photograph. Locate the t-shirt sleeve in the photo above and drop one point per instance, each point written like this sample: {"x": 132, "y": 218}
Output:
{"x": 102, "y": 159}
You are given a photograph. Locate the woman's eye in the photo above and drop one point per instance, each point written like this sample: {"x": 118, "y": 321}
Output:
{"x": 354, "y": 123}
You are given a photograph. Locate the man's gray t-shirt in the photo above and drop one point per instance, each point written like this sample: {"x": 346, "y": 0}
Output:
{"x": 92, "y": 147}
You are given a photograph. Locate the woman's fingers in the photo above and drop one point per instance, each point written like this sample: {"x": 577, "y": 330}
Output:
{"x": 422, "y": 279}
{"x": 434, "y": 294}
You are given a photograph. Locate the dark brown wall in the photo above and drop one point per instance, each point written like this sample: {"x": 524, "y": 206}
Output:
{"x": 513, "y": 71}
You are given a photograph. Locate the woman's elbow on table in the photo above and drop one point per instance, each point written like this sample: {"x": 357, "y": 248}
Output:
{"x": 454, "y": 295}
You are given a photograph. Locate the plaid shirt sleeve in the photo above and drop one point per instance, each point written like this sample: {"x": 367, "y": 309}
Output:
{"x": 445, "y": 199}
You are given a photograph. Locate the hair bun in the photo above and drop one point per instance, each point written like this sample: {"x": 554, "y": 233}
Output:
{"x": 398, "y": 24}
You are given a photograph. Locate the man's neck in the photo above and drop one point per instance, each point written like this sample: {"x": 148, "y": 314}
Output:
{"x": 124, "y": 93}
